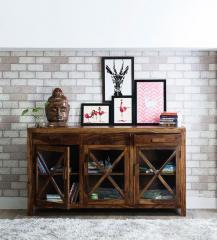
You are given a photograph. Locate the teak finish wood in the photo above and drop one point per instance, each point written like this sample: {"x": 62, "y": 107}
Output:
{"x": 130, "y": 140}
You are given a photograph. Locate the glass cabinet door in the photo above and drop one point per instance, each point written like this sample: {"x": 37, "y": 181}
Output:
{"x": 156, "y": 174}
{"x": 106, "y": 169}
{"x": 51, "y": 175}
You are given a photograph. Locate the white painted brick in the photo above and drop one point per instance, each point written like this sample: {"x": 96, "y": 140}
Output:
{"x": 18, "y": 82}
{"x": 183, "y": 67}
{"x": 101, "y": 53}
{"x": 166, "y": 67}
{"x": 67, "y": 67}
{"x": 4, "y": 82}
{"x": 18, "y": 185}
{"x": 191, "y": 60}
{"x": 84, "y": 67}
{"x": 199, "y": 97}
{"x": 175, "y": 74}
{"x": 158, "y": 74}
{"x": 199, "y": 82}
{"x": 10, "y": 74}
{"x": 19, "y": 141}
{"x": 35, "y": 82}
{"x": 35, "y": 53}
{"x": 208, "y": 164}
{"x": 192, "y": 90}
{"x": 212, "y": 186}
{"x": 199, "y": 171}
{"x": 59, "y": 74}
{"x": 192, "y": 164}
{"x": 52, "y": 82}
{"x": 92, "y": 60}
{"x": 142, "y": 75}
{"x": 68, "y": 82}
{"x": 26, "y": 59}
{"x": 4, "y": 53}
{"x": 93, "y": 90}
{"x": 4, "y": 156}
{"x": 92, "y": 75}
{"x": 175, "y": 60}
{"x": 208, "y": 74}
{"x": 76, "y": 59}
{"x": 10, "y": 104}
{"x": 27, "y": 75}
{"x": 138, "y": 67}
{"x": 67, "y": 53}
{"x": 4, "y": 97}
{"x": 200, "y": 142}
{"x": 18, "y": 53}
{"x": 150, "y": 53}
{"x": 35, "y": 67}
{"x": 141, "y": 60}
{"x": 182, "y": 97}
{"x": 191, "y": 74}
{"x": 166, "y": 53}
{"x": 199, "y": 156}
{"x": 85, "y": 82}
{"x": 51, "y": 53}
{"x": 84, "y": 97}
{"x": 118, "y": 53}
{"x": 18, "y": 67}
{"x": 76, "y": 74}
{"x": 32, "y": 97}
{"x": 43, "y": 60}
{"x": 84, "y": 53}
{"x": 4, "y": 141}
{"x": 43, "y": 75}
{"x": 213, "y": 67}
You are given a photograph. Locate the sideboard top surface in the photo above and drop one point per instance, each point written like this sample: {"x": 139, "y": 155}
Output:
{"x": 108, "y": 129}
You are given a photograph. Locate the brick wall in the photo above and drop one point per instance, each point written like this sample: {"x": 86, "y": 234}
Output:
{"x": 28, "y": 77}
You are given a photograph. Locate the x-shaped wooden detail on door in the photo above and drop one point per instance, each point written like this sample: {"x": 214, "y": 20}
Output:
{"x": 156, "y": 173}
{"x": 50, "y": 175}
{"x": 106, "y": 173}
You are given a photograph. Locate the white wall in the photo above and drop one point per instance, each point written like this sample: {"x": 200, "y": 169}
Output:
{"x": 108, "y": 23}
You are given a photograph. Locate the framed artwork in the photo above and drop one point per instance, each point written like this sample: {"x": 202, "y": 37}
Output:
{"x": 118, "y": 77}
{"x": 122, "y": 110}
{"x": 150, "y": 101}
{"x": 95, "y": 114}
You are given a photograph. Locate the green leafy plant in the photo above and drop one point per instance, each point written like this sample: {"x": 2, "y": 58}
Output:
{"x": 35, "y": 112}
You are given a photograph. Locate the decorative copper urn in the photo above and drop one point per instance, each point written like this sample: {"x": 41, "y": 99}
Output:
{"x": 57, "y": 108}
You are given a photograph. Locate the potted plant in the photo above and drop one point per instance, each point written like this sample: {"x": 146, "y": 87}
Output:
{"x": 36, "y": 113}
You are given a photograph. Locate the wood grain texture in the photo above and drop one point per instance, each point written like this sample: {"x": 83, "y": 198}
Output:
{"x": 129, "y": 140}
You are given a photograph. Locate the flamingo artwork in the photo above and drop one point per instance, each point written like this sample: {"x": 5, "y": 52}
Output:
{"x": 122, "y": 110}
{"x": 88, "y": 116}
{"x": 100, "y": 112}
{"x": 95, "y": 114}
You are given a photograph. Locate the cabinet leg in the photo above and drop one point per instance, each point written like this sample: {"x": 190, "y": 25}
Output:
{"x": 31, "y": 211}
{"x": 183, "y": 211}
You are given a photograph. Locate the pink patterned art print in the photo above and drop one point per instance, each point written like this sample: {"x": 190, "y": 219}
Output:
{"x": 150, "y": 101}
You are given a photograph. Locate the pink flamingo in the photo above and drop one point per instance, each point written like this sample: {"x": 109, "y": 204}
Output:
{"x": 100, "y": 113}
{"x": 122, "y": 109}
{"x": 94, "y": 113}
{"x": 86, "y": 115}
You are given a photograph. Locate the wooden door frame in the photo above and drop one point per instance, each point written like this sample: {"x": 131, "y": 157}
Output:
{"x": 166, "y": 203}
{"x": 126, "y": 190}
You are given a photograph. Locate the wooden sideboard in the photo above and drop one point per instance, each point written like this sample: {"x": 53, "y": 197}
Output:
{"x": 106, "y": 167}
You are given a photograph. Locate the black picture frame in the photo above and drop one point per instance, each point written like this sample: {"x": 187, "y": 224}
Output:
{"x": 132, "y": 111}
{"x": 95, "y": 124}
{"x": 105, "y": 99}
{"x": 136, "y": 100}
